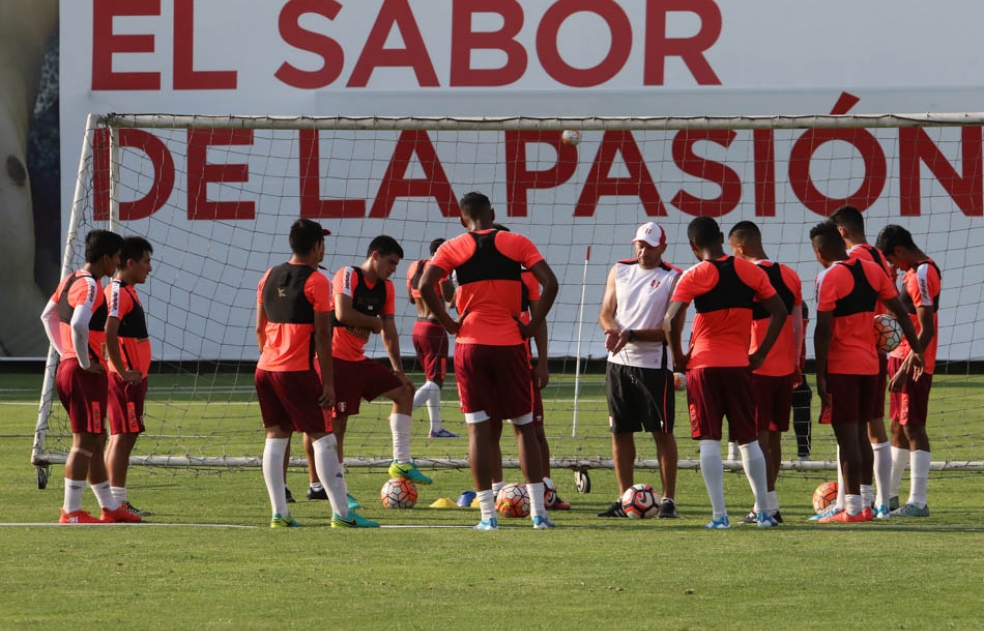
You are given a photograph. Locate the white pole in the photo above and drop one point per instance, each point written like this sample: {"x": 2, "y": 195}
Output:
{"x": 580, "y": 323}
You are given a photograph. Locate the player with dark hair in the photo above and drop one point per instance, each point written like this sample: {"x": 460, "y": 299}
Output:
{"x": 909, "y": 399}
{"x": 430, "y": 340}
{"x": 775, "y": 380}
{"x": 848, "y": 292}
{"x": 293, "y": 330}
{"x": 724, "y": 290}
{"x": 128, "y": 348}
{"x": 491, "y": 362}
{"x": 850, "y": 225}
{"x": 365, "y": 303}
{"x": 639, "y": 373}
{"x": 75, "y": 321}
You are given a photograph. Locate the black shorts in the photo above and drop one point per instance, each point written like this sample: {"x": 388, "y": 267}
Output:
{"x": 639, "y": 399}
{"x": 802, "y": 399}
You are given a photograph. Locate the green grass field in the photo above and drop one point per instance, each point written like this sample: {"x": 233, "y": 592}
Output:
{"x": 588, "y": 573}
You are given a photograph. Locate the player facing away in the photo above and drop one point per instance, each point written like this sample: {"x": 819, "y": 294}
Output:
{"x": 774, "y": 382}
{"x": 430, "y": 340}
{"x": 848, "y": 292}
{"x": 128, "y": 349}
{"x": 639, "y": 374}
{"x": 491, "y": 363}
{"x": 364, "y": 304}
{"x": 75, "y": 321}
{"x": 850, "y": 225}
{"x": 719, "y": 368}
{"x": 293, "y": 330}
{"x": 908, "y": 399}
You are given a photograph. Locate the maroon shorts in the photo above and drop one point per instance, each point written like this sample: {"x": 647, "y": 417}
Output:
{"x": 852, "y": 399}
{"x": 83, "y": 394}
{"x": 126, "y": 405}
{"x": 911, "y": 406}
{"x": 354, "y": 381}
{"x": 289, "y": 400}
{"x": 712, "y": 394}
{"x": 773, "y": 402}
{"x": 493, "y": 381}
{"x": 431, "y": 343}
{"x": 878, "y": 405}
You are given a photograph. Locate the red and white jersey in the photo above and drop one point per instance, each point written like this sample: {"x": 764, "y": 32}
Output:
{"x": 641, "y": 298}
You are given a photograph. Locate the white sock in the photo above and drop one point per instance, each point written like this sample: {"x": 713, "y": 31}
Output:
{"x": 400, "y": 427}
{"x": 733, "y": 450}
{"x": 422, "y": 395}
{"x": 867, "y": 495}
{"x": 841, "y": 486}
{"x": 753, "y": 461}
{"x": 73, "y": 495}
{"x": 496, "y": 487}
{"x": 434, "y": 408}
{"x": 900, "y": 460}
{"x": 317, "y": 487}
{"x": 104, "y": 496}
{"x": 920, "y": 461}
{"x": 712, "y": 469}
{"x": 119, "y": 494}
{"x": 852, "y": 504}
{"x": 772, "y": 502}
{"x": 535, "y": 492}
{"x": 273, "y": 474}
{"x": 883, "y": 472}
{"x": 486, "y": 502}
{"x": 330, "y": 473}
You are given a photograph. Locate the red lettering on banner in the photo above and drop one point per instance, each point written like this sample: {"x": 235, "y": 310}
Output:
{"x": 394, "y": 13}
{"x": 105, "y": 44}
{"x": 160, "y": 189}
{"x": 689, "y": 49}
{"x": 764, "y": 152}
{"x": 967, "y": 191}
{"x": 312, "y": 206}
{"x": 697, "y": 166}
{"x": 395, "y": 184}
{"x": 864, "y": 142}
{"x": 618, "y": 52}
{"x": 330, "y": 51}
{"x": 519, "y": 179}
{"x": 464, "y": 40}
{"x": 201, "y": 174}
{"x": 639, "y": 183}
{"x": 185, "y": 75}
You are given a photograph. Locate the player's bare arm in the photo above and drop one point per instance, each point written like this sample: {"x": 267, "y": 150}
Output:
{"x": 541, "y": 372}
{"x": 821, "y": 347}
{"x": 322, "y": 346}
{"x": 115, "y": 356}
{"x": 777, "y": 318}
{"x": 261, "y": 322}
{"x": 351, "y": 318}
{"x": 798, "y": 326}
{"x": 432, "y": 274}
{"x": 915, "y": 359}
{"x": 391, "y": 341}
{"x": 927, "y": 330}
{"x": 676, "y": 313}
{"x": 609, "y": 304}
{"x": 545, "y": 276}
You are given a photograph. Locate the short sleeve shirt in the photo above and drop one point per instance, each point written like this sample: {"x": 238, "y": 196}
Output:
{"x": 288, "y": 346}
{"x": 349, "y": 343}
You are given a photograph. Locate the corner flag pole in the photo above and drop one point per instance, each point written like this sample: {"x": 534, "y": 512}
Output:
{"x": 580, "y": 323}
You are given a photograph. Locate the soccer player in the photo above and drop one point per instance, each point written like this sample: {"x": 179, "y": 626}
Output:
{"x": 639, "y": 375}
{"x": 719, "y": 367}
{"x": 774, "y": 381}
{"x": 364, "y": 304}
{"x": 491, "y": 362}
{"x": 128, "y": 348}
{"x": 430, "y": 340}
{"x": 908, "y": 399}
{"x": 293, "y": 328}
{"x": 848, "y": 290}
{"x": 75, "y": 321}
{"x": 850, "y": 225}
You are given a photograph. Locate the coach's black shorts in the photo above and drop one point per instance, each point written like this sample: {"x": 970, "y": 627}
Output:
{"x": 639, "y": 399}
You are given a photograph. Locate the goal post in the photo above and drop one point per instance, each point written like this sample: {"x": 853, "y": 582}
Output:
{"x": 216, "y": 195}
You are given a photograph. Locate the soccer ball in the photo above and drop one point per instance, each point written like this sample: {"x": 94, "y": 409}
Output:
{"x": 549, "y": 493}
{"x": 824, "y": 496}
{"x": 571, "y": 137}
{"x": 513, "y": 501}
{"x": 639, "y": 502}
{"x": 399, "y": 493}
{"x": 888, "y": 333}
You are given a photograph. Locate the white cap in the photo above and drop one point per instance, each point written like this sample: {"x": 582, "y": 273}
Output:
{"x": 651, "y": 233}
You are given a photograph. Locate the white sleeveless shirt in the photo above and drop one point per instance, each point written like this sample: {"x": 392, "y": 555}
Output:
{"x": 642, "y": 296}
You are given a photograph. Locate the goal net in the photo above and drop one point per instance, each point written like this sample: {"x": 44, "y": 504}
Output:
{"x": 216, "y": 196}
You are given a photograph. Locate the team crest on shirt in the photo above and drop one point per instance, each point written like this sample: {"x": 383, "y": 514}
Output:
{"x": 281, "y": 292}
{"x": 655, "y": 283}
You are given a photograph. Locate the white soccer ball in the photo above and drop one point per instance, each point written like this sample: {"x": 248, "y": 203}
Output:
{"x": 888, "y": 333}
{"x": 571, "y": 137}
{"x": 513, "y": 501}
{"x": 639, "y": 502}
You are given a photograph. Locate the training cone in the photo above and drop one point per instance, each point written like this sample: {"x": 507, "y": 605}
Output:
{"x": 466, "y": 499}
{"x": 475, "y": 504}
{"x": 444, "y": 503}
